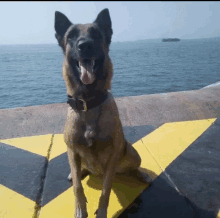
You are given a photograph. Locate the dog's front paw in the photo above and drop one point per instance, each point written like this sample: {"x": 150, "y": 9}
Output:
{"x": 101, "y": 213}
{"x": 80, "y": 212}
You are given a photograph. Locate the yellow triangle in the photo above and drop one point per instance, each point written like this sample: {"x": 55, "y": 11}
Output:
{"x": 58, "y": 147}
{"x": 15, "y": 205}
{"x": 35, "y": 144}
{"x": 62, "y": 206}
{"x": 168, "y": 141}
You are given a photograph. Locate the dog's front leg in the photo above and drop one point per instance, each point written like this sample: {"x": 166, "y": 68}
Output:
{"x": 80, "y": 198}
{"x": 108, "y": 177}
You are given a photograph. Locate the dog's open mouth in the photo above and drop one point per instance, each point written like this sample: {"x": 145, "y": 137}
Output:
{"x": 87, "y": 67}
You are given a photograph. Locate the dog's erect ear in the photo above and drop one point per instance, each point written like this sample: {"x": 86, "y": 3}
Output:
{"x": 61, "y": 25}
{"x": 103, "y": 20}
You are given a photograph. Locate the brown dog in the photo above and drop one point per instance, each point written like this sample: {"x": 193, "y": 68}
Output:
{"x": 93, "y": 131}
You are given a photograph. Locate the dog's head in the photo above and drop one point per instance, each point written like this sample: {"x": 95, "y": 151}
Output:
{"x": 85, "y": 46}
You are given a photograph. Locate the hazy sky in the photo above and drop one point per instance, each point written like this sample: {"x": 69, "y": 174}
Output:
{"x": 33, "y": 22}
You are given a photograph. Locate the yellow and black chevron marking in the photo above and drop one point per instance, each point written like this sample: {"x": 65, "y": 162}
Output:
{"x": 22, "y": 162}
{"x": 181, "y": 157}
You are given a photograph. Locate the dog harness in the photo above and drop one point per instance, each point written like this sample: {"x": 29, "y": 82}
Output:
{"x": 82, "y": 105}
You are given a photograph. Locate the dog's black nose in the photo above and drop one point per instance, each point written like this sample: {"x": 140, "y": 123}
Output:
{"x": 85, "y": 46}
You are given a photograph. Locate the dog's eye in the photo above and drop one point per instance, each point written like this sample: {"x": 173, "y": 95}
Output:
{"x": 72, "y": 34}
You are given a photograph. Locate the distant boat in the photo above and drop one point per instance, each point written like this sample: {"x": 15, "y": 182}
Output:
{"x": 171, "y": 40}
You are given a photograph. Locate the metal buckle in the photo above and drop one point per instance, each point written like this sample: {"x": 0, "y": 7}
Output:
{"x": 84, "y": 105}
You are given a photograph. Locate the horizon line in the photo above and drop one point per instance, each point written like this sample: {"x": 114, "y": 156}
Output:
{"x": 115, "y": 41}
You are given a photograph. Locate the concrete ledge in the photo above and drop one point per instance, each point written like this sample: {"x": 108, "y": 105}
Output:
{"x": 212, "y": 85}
{"x": 154, "y": 110}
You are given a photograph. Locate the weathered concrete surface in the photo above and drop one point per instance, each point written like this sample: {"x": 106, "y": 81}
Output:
{"x": 33, "y": 120}
{"x": 152, "y": 110}
{"x": 191, "y": 180}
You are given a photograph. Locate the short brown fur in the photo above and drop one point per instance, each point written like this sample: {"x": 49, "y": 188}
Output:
{"x": 109, "y": 153}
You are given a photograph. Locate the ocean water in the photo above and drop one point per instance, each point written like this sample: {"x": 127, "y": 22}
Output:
{"x": 31, "y": 74}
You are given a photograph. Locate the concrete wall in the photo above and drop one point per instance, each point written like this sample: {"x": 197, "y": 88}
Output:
{"x": 154, "y": 110}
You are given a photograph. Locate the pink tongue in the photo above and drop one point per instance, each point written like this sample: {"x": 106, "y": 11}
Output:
{"x": 87, "y": 76}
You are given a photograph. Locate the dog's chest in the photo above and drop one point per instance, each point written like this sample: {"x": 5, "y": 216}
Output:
{"x": 85, "y": 129}
{"x": 91, "y": 136}
{"x": 95, "y": 158}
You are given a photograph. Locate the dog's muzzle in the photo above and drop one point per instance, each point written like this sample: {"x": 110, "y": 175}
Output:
{"x": 85, "y": 48}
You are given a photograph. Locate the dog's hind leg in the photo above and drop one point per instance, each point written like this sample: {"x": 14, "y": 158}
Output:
{"x": 84, "y": 174}
{"x": 130, "y": 165}
{"x": 140, "y": 176}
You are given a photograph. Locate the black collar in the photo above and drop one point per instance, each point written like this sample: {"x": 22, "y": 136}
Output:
{"x": 82, "y": 105}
